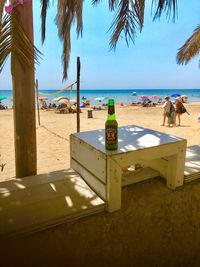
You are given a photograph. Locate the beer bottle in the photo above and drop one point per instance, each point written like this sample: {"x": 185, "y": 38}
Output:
{"x": 111, "y": 127}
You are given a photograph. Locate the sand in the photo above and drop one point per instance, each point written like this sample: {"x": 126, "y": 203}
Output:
{"x": 53, "y": 133}
{"x": 155, "y": 227}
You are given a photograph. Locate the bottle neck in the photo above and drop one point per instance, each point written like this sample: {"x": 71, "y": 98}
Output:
{"x": 111, "y": 117}
{"x": 111, "y": 113}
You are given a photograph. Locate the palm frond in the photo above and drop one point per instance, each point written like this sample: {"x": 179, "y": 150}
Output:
{"x": 167, "y": 6}
{"x": 14, "y": 41}
{"x": 96, "y": 2}
{"x": 129, "y": 17}
{"x": 5, "y": 41}
{"x": 45, "y": 5}
{"x": 113, "y": 4}
{"x": 68, "y": 11}
{"x": 2, "y": 4}
{"x": 190, "y": 49}
{"x": 139, "y": 7}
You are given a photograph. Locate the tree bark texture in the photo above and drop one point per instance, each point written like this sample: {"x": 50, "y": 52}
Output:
{"x": 24, "y": 104}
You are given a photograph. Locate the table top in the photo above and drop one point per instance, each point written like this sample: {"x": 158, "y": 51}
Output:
{"x": 130, "y": 138}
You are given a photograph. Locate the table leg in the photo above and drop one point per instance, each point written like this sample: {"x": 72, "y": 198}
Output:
{"x": 113, "y": 188}
{"x": 175, "y": 169}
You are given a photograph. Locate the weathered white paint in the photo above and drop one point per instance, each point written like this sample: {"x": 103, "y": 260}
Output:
{"x": 137, "y": 145}
{"x": 131, "y": 138}
{"x": 91, "y": 180}
{"x": 92, "y": 159}
{"x": 44, "y": 201}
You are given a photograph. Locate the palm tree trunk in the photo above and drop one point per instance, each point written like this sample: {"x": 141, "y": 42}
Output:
{"x": 24, "y": 105}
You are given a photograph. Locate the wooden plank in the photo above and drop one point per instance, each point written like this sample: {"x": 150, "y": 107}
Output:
{"x": 40, "y": 206}
{"x": 44, "y": 214}
{"x": 160, "y": 165}
{"x": 93, "y": 181}
{"x": 192, "y": 163}
{"x": 138, "y": 175}
{"x": 22, "y": 183}
{"x": 91, "y": 159}
{"x": 40, "y": 192}
{"x": 148, "y": 154}
{"x": 191, "y": 178}
{"x": 192, "y": 167}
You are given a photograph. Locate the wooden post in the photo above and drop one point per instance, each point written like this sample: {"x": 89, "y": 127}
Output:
{"x": 78, "y": 93}
{"x": 38, "y": 107}
{"x": 24, "y": 104}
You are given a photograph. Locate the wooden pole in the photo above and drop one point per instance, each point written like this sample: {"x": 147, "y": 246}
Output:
{"x": 78, "y": 93}
{"x": 24, "y": 104}
{"x": 38, "y": 107}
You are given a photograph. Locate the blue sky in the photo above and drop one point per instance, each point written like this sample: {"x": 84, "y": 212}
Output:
{"x": 150, "y": 63}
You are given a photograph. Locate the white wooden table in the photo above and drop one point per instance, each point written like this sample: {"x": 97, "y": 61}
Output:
{"x": 103, "y": 169}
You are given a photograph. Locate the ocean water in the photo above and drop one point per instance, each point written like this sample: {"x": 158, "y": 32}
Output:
{"x": 120, "y": 95}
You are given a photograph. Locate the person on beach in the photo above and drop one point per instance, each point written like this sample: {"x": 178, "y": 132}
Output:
{"x": 179, "y": 110}
{"x": 168, "y": 112}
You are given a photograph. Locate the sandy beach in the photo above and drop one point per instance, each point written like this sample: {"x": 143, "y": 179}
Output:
{"x": 155, "y": 227}
{"x": 53, "y": 133}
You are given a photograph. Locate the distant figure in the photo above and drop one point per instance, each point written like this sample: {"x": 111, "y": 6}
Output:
{"x": 168, "y": 112}
{"x": 2, "y": 106}
{"x": 179, "y": 110}
{"x": 166, "y": 108}
{"x": 44, "y": 105}
{"x": 50, "y": 106}
{"x": 147, "y": 102}
{"x": 87, "y": 103}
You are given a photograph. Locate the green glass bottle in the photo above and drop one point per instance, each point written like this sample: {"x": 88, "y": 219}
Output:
{"x": 111, "y": 127}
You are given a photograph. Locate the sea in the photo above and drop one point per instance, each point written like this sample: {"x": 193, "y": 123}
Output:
{"x": 126, "y": 96}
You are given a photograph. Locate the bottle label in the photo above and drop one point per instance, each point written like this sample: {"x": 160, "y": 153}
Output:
{"x": 111, "y": 136}
{"x": 111, "y": 110}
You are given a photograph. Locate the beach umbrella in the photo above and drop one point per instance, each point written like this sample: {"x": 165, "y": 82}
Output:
{"x": 134, "y": 94}
{"x": 175, "y": 95}
{"x": 43, "y": 98}
{"x": 154, "y": 96}
{"x": 184, "y": 96}
{"x": 2, "y": 97}
{"x": 143, "y": 96}
{"x": 83, "y": 98}
{"x": 100, "y": 99}
{"x": 63, "y": 101}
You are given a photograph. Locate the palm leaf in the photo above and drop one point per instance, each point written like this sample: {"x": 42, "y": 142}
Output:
{"x": 139, "y": 11}
{"x": 14, "y": 41}
{"x": 128, "y": 18}
{"x": 68, "y": 11}
{"x": 167, "y": 6}
{"x": 2, "y": 4}
{"x": 190, "y": 49}
{"x": 45, "y": 5}
{"x": 96, "y": 2}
